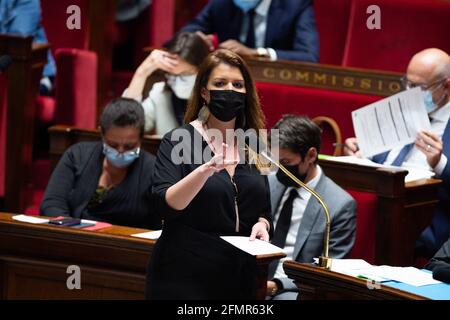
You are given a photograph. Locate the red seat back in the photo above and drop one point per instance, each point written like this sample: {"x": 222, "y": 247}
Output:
{"x": 407, "y": 26}
{"x": 74, "y": 88}
{"x": 3, "y": 91}
{"x": 366, "y": 211}
{"x": 332, "y": 25}
{"x": 280, "y": 99}
{"x": 54, "y": 19}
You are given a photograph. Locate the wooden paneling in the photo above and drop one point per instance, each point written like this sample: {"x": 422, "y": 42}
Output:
{"x": 23, "y": 76}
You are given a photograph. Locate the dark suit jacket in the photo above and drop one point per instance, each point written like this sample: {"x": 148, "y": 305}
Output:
{"x": 440, "y": 263}
{"x": 433, "y": 237}
{"x": 291, "y": 26}
{"x": 310, "y": 236}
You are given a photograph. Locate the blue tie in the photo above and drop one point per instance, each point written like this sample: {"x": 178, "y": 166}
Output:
{"x": 402, "y": 155}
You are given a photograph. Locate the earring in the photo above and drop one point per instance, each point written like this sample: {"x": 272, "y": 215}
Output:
{"x": 203, "y": 114}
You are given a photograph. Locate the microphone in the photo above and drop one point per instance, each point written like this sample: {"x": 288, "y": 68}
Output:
{"x": 5, "y": 62}
{"x": 258, "y": 146}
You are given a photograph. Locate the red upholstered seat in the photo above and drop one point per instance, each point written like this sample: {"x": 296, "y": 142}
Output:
{"x": 46, "y": 107}
{"x": 279, "y": 99}
{"x": 332, "y": 24}
{"x": 76, "y": 86}
{"x": 407, "y": 26}
{"x": 366, "y": 211}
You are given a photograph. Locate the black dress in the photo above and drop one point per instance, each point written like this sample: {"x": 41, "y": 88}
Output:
{"x": 74, "y": 182}
{"x": 190, "y": 260}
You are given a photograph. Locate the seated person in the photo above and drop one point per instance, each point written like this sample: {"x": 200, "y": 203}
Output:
{"x": 108, "y": 180}
{"x": 23, "y": 17}
{"x": 429, "y": 69}
{"x": 299, "y": 220}
{"x": 440, "y": 263}
{"x": 166, "y": 103}
{"x": 275, "y": 29}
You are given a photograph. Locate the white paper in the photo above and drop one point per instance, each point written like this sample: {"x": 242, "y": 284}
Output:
{"x": 29, "y": 219}
{"x": 391, "y": 122}
{"x": 408, "y": 275}
{"x": 153, "y": 235}
{"x": 356, "y": 160}
{"x": 414, "y": 173}
{"x": 255, "y": 247}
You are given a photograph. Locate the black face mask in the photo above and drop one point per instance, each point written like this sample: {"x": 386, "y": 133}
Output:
{"x": 225, "y": 105}
{"x": 288, "y": 182}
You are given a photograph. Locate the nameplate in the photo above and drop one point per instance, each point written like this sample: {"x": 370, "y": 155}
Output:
{"x": 321, "y": 76}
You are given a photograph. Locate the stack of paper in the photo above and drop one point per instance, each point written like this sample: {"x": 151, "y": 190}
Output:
{"x": 255, "y": 247}
{"x": 362, "y": 269}
{"x": 152, "y": 235}
{"x": 414, "y": 173}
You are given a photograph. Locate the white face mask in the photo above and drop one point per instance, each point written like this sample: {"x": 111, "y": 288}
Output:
{"x": 182, "y": 85}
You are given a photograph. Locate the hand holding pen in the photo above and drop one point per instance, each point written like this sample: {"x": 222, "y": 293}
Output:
{"x": 351, "y": 148}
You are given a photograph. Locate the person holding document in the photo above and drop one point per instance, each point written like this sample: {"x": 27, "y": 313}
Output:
{"x": 203, "y": 199}
{"x": 430, "y": 70}
{"x": 299, "y": 219}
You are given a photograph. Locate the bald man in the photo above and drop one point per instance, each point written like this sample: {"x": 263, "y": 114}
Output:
{"x": 430, "y": 70}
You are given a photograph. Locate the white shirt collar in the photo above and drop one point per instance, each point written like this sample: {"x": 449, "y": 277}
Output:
{"x": 312, "y": 184}
{"x": 442, "y": 114}
{"x": 263, "y": 8}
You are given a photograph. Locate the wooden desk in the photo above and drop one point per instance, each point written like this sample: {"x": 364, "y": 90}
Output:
{"x": 314, "y": 75}
{"x": 23, "y": 78}
{"x": 403, "y": 210}
{"x": 34, "y": 259}
{"x": 319, "y": 284}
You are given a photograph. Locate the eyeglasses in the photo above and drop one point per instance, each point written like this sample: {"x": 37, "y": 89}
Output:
{"x": 408, "y": 84}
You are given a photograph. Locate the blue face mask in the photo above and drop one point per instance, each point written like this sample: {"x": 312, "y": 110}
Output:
{"x": 120, "y": 160}
{"x": 246, "y": 5}
{"x": 428, "y": 100}
{"x": 430, "y": 105}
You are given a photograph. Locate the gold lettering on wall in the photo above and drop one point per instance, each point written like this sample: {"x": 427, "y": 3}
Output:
{"x": 341, "y": 79}
{"x": 268, "y": 73}
{"x": 320, "y": 78}
{"x": 302, "y": 76}
{"x": 285, "y": 74}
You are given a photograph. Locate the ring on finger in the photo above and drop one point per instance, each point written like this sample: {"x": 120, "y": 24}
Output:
{"x": 428, "y": 147}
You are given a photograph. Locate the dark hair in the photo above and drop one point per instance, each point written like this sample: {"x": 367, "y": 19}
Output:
{"x": 123, "y": 112}
{"x": 254, "y": 117}
{"x": 298, "y": 134}
{"x": 189, "y": 46}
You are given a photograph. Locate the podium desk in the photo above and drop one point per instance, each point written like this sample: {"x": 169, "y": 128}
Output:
{"x": 315, "y": 283}
{"x": 34, "y": 259}
{"x": 403, "y": 210}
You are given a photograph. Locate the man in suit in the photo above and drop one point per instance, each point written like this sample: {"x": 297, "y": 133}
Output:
{"x": 299, "y": 219}
{"x": 430, "y": 70}
{"x": 275, "y": 29}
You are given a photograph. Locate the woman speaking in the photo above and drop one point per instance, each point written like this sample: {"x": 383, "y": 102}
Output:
{"x": 203, "y": 200}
